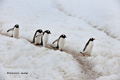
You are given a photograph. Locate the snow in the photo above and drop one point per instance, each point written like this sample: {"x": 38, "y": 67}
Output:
{"x": 101, "y": 14}
{"x": 112, "y": 77}
{"x": 3, "y": 76}
{"x": 79, "y": 20}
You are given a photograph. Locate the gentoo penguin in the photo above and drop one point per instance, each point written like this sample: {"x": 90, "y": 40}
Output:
{"x": 37, "y": 39}
{"x": 15, "y": 30}
{"x": 45, "y": 37}
{"x": 60, "y": 42}
{"x": 88, "y": 47}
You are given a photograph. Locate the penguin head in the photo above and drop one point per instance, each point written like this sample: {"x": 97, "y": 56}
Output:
{"x": 16, "y": 26}
{"x": 47, "y": 31}
{"x": 39, "y": 30}
{"x": 92, "y": 39}
{"x": 63, "y": 36}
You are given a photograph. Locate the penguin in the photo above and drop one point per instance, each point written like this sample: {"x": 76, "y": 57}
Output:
{"x": 15, "y": 30}
{"x": 37, "y": 39}
{"x": 60, "y": 42}
{"x": 88, "y": 47}
{"x": 45, "y": 37}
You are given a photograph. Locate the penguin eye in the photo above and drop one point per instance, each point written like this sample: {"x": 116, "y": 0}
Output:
{"x": 16, "y": 25}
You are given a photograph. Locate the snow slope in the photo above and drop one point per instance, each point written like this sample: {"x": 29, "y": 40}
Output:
{"x": 101, "y": 14}
{"x": 40, "y": 63}
{"x": 77, "y": 21}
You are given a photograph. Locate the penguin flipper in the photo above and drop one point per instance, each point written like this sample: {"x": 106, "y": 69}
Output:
{"x": 10, "y": 29}
{"x": 55, "y": 41}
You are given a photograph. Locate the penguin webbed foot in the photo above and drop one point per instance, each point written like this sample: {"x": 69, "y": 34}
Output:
{"x": 33, "y": 42}
{"x": 88, "y": 54}
{"x": 37, "y": 44}
{"x": 61, "y": 50}
{"x": 82, "y": 53}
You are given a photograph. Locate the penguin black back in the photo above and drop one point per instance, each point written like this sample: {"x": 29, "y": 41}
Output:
{"x": 40, "y": 31}
{"x": 91, "y": 39}
{"x": 61, "y": 36}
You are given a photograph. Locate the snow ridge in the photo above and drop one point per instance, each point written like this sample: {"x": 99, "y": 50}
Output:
{"x": 105, "y": 31}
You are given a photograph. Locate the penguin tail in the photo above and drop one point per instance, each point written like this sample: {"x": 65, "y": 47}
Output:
{"x": 12, "y": 36}
{"x": 32, "y": 42}
{"x": 10, "y": 29}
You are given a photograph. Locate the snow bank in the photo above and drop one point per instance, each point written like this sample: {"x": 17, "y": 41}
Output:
{"x": 18, "y": 55}
{"x": 103, "y": 15}
{"x": 112, "y": 77}
{"x": 3, "y": 75}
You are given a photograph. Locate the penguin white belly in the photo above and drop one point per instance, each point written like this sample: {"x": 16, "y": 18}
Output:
{"x": 37, "y": 40}
{"x": 61, "y": 43}
{"x": 15, "y": 32}
{"x": 45, "y": 39}
{"x": 89, "y": 48}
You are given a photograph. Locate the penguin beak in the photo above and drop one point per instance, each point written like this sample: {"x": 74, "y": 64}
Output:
{"x": 93, "y": 38}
